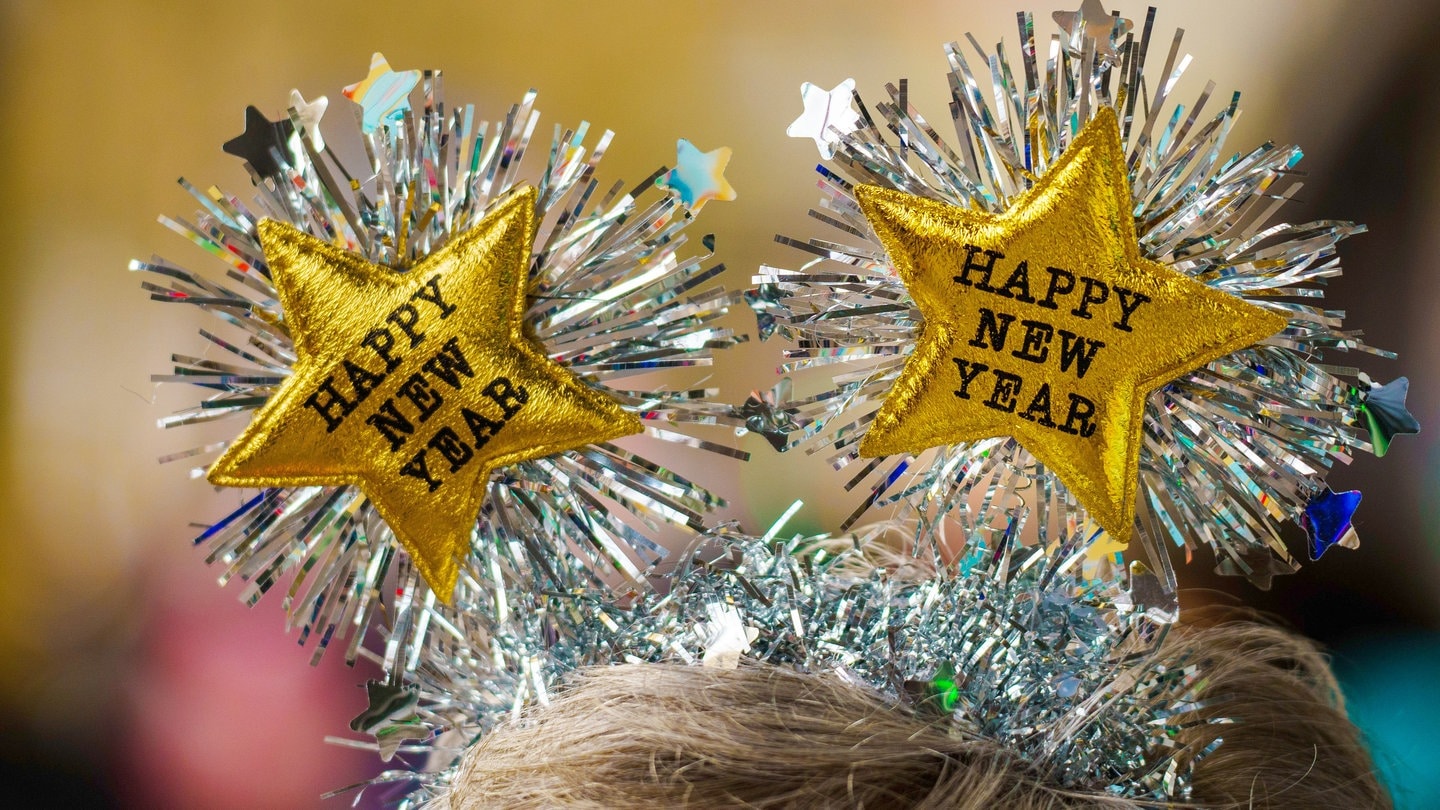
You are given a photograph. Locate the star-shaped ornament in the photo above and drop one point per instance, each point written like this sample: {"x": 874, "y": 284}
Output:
{"x": 1327, "y": 520}
{"x": 698, "y": 177}
{"x": 384, "y": 94}
{"x": 1259, "y": 565}
{"x": 1045, "y": 323}
{"x": 260, "y": 141}
{"x": 1093, "y": 21}
{"x": 309, "y": 113}
{"x": 828, "y": 116}
{"x": 1383, "y": 408}
{"x": 390, "y": 717}
{"x": 414, "y": 385}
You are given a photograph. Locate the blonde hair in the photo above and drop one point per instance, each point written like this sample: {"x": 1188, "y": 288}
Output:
{"x": 663, "y": 735}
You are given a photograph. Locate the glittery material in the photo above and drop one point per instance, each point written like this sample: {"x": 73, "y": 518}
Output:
{"x": 1229, "y": 450}
{"x": 1032, "y": 648}
{"x": 698, "y": 177}
{"x": 415, "y": 386}
{"x": 1383, "y": 407}
{"x": 1327, "y": 521}
{"x": 1045, "y": 323}
{"x": 611, "y": 290}
{"x": 384, "y": 94}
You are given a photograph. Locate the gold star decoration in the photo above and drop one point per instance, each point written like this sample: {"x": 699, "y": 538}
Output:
{"x": 1044, "y": 323}
{"x": 415, "y": 384}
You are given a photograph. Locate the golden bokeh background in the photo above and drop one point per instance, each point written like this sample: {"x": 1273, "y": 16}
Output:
{"x": 121, "y": 663}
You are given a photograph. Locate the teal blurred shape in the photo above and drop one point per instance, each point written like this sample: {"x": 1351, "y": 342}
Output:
{"x": 1390, "y": 684}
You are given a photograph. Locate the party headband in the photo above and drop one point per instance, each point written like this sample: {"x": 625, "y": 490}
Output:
{"x": 1069, "y": 327}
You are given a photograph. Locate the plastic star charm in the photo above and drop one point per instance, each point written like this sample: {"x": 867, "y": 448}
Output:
{"x": 1045, "y": 323}
{"x": 1093, "y": 21}
{"x": 698, "y": 177}
{"x": 384, "y": 94}
{"x": 828, "y": 116}
{"x": 309, "y": 113}
{"x": 415, "y": 385}
{"x": 260, "y": 137}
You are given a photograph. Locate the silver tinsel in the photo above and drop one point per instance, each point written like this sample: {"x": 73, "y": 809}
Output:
{"x": 1054, "y": 650}
{"x": 1230, "y": 450}
{"x": 611, "y": 296}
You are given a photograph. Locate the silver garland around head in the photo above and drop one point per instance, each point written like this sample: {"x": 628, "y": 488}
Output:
{"x": 1010, "y": 639}
{"x": 610, "y": 296}
{"x": 1231, "y": 450}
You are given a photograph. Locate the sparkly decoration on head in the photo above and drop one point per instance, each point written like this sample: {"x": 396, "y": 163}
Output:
{"x": 439, "y": 356}
{"x": 414, "y": 386}
{"x": 1062, "y": 356}
{"x": 698, "y": 177}
{"x": 1043, "y": 651}
{"x": 1229, "y": 437}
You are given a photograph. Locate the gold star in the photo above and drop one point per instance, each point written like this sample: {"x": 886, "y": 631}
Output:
{"x": 414, "y": 385}
{"x": 1045, "y": 323}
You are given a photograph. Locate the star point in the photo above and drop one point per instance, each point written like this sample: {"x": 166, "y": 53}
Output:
{"x": 1045, "y": 323}
{"x": 415, "y": 385}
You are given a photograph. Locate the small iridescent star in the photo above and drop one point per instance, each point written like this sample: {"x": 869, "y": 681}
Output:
{"x": 698, "y": 177}
{"x": 384, "y": 94}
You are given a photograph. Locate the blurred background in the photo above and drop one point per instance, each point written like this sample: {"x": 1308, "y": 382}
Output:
{"x": 127, "y": 678}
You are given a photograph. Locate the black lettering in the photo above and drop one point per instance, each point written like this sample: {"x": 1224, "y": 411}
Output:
{"x": 391, "y": 423}
{"x": 1035, "y": 346}
{"x": 993, "y": 324}
{"x": 425, "y": 399}
{"x": 968, "y": 372}
{"x": 362, "y": 379}
{"x": 1078, "y": 421}
{"x": 449, "y": 363}
{"x": 507, "y": 395}
{"x": 416, "y": 468}
{"x": 431, "y": 292}
{"x": 381, "y": 342}
{"x": 334, "y": 407}
{"x": 987, "y": 268}
{"x": 1002, "y": 397}
{"x": 1038, "y": 411}
{"x": 1077, "y": 351}
{"x": 1129, "y": 302}
{"x": 481, "y": 427}
{"x": 447, "y": 441}
{"x": 1018, "y": 285}
{"x": 1057, "y": 278}
{"x": 1089, "y": 296}
{"x": 406, "y": 316}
